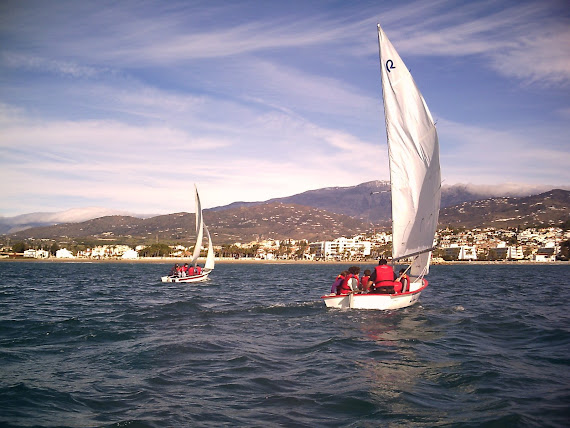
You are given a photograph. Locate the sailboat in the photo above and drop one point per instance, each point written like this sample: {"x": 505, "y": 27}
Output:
{"x": 210, "y": 263}
{"x": 415, "y": 179}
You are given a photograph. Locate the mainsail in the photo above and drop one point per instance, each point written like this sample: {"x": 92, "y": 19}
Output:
{"x": 199, "y": 230}
{"x": 414, "y": 161}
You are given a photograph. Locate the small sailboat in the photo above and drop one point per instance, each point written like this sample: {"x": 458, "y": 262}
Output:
{"x": 202, "y": 275}
{"x": 415, "y": 178}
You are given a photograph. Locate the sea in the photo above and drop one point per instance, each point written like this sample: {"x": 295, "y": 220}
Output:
{"x": 109, "y": 345}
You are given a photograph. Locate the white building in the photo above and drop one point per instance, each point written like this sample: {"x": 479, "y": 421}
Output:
{"x": 341, "y": 249}
{"x": 36, "y": 254}
{"x": 515, "y": 253}
{"x": 467, "y": 253}
{"x": 460, "y": 252}
{"x": 64, "y": 253}
{"x": 545, "y": 254}
{"x": 130, "y": 255}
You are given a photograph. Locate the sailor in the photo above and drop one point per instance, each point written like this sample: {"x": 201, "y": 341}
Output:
{"x": 344, "y": 287}
{"x": 174, "y": 270}
{"x": 197, "y": 270}
{"x": 404, "y": 280}
{"x": 364, "y": 280}
{"x": 351, "y": 281}
{"x": 382, "y": 279}
{"x": 338, "y": 282}
{"x": 185, "y": 270}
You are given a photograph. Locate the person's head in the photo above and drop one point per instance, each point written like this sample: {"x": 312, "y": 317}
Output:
{"x": 185, "y": 264}
{"x": 344, "y": 273}
{"x": 382, "y": 262}
{"x": 355, "y": 270}
{"x": 402, "y": 271}
{"x": 367, "y": 272}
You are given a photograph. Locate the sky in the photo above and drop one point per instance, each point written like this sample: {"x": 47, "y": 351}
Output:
{"x": 126, "y": 105}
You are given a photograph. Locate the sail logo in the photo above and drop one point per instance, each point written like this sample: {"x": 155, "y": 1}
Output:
{"x": 390, "y": 65}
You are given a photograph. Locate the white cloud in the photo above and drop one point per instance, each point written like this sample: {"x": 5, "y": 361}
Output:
{"x": 133, "y": 105}
{"x": 146, "y": 168}
{"x": 508, "y": 189}
{"x": 527, "y": 40}
{"x": 486, "y": 155}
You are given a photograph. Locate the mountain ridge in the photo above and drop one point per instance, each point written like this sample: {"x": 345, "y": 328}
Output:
{"x": 369, "y": 201}
{"x": 280, "y": 220}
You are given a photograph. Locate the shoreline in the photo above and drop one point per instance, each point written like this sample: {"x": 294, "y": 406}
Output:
{"x": 172, "y": 260}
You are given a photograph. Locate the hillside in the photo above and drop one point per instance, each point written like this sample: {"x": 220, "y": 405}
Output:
{"x": 278, "y": 220}
{"x": 549, "y": 208}
{"x": 370, "y": 201}
{"x": 242, "y": 224}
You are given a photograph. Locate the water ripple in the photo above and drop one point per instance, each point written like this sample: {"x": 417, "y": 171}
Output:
{"x": 107, "y": 345}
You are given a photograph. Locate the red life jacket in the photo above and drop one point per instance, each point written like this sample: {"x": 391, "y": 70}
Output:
{"x": 344, "y": 287}
{"x": 384, "y": 274}
{"x": 364, "y": 282}
{"x": 405, "y": 280}
{"x": 197, "y": 270}
{"x": 191, "y": 270}
{"x": 397, "y": 287}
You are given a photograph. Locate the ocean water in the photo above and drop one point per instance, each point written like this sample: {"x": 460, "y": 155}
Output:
{"x": 108, "y": 345}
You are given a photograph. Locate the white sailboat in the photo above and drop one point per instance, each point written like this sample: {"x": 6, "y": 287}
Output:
{"x": 209, "y": 265}
{"x": 415, "y": 177}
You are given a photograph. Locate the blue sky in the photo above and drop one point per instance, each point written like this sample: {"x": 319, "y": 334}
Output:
{"x": 125, "y": 105}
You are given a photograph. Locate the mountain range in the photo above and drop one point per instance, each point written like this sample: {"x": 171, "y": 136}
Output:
{"x": 368, "y": 201}
{"x": 314, "y": 215}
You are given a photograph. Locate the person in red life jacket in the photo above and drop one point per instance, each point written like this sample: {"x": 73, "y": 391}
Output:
{"x": 197, "y": 270}
{"x": 185, "y": 269}
{"x": 353, "y": 281}
{"x": 382, "y": 279}
{"x": 364, "y": 281}
{"x": 338, "y": 282}
{"x": 181, "y": 271}
{"x": 191, "y": 271}
{"x": 404, "y": 280}
{"x": 350, "y": 282}
{"x": 174, "y": 270}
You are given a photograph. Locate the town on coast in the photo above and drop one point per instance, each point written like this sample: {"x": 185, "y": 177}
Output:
{"x": 536, "y": 245}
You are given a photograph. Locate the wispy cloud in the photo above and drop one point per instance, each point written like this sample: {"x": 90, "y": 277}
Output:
{"x": 150, "y": 166}
{"x": 36, "y": 63}
{"x": 526, "y": 40}
{"x": 495, "y": 156}
{"x": 126, "y": 104}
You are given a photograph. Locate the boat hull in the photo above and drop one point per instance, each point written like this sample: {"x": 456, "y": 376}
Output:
{"x": 193, "y": 278}
{"x": 382, "y": 302}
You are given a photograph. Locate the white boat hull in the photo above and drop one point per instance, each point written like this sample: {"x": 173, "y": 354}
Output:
{"x": 382, "y": 302}
{"x": 193, "y": 278}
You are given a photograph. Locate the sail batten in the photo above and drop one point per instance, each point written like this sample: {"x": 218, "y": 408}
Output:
{"x": 413, "y": 150}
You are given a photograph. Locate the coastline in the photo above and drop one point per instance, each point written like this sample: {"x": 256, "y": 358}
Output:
{"x": 172, "y": 260}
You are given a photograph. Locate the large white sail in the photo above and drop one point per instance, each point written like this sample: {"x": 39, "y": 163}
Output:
{"x": 199, "y": 230}
{"x": 414, "y": 160}
{"x": 210, "y": 257}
